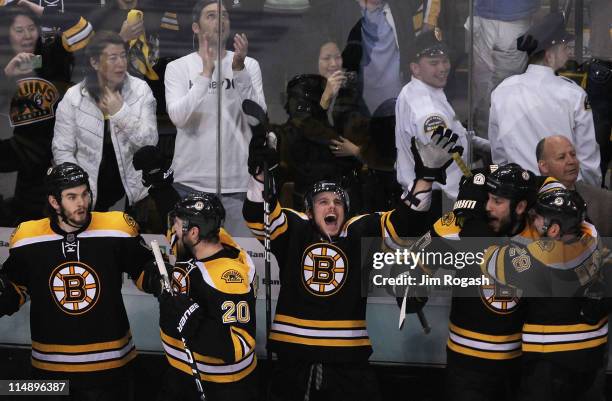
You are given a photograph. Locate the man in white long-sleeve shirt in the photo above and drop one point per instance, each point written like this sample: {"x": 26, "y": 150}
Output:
{"x": 192, "y": 102}
{"x": 422, "y": 106}
{"x": 528, "y": 107}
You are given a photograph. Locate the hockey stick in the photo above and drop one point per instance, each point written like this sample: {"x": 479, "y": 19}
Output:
{"x": 267, "y": 256}
{"x": 254, "y": 110}
{"x": 166, "y": 286}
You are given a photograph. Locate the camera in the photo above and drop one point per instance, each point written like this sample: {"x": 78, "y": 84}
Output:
{"x": 350, "y": 79}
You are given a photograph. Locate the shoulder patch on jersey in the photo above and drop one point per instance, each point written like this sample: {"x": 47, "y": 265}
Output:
{"x": 446, "y": 226}
{"x": 546, "y": 245}
{"x": 117, "y": 221}
{"x": 130, "y": 220}
{"x": 232, "y": 276}
{"x": 587, "y": 103}
{"x": 432, "y": 122}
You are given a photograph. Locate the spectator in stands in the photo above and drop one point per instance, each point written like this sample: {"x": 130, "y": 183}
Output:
{"x": 599, "y": 85}
{"x": 557, "y": 158}
{"x": 381, "y": 191}
{"x": 528, "y": 107}
{"x": 208, "y": 158}
{"x": 138, "y": 25}
{"x": 33, "y": 78}
{"x": 379, "y": 47}
{"x": 325, "y": 128}
{"x": 103, "y": 121}
{"x": 497, "y": 25}
{"x": 421, "y": 107}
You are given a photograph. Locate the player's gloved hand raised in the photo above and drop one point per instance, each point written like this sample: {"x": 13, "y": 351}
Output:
{"x": 10, "y": 300}
{"x": 432, "y": 159}
{"x": 181, "y": 312}
{"x": 473, "y": 195}
{"x": 155, "y": 167}
{"x": 262, "y": 148}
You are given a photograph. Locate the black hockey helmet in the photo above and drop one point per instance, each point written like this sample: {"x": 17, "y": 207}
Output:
{"x": 326, "y": 186}
{"x": 64, "y": 176}
{"x": 562, "y": 206}
{"x": 304, "y": 93}
{"x": 513, "y": 182}
{"x": 201, "y": 210}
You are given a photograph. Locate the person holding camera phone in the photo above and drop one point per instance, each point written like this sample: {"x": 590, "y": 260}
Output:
{"x": 34, "y": 77}
{"x": 325, "y": 129}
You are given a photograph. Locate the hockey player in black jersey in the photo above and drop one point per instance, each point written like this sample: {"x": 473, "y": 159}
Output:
{"x": 484, "y": 347}
{"x": 319, "y": 330}
{"x": 213, "y": 309}
{"x": 70, "y": 267}
{"x": 564, "y": 348}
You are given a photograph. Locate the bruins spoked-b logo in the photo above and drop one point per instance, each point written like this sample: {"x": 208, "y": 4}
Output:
{"x": 75, "y": 287}
{"x": 324, "y": 269}
{"x": 501, "y": 299}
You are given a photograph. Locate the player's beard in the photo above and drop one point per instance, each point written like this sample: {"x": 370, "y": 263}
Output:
{"x": 77, "y": 218}
{"x": 504, "y": 225}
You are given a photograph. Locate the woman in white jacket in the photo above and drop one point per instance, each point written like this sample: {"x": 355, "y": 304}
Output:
{"x": 102, "y": 121}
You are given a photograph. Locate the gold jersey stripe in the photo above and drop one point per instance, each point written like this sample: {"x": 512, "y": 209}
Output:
{"x": 229, "y": 378}
{"x": 84, "y": 367}
{"x": 77, "y": 349}
{"x": 320, "y": 342}
{"x": 485, "y": 337}
{"x": 176, "y": 343}
{"x": 500, "y": 271}
{"x": 169, "y": 27}
{"x": 335, "y": 324}
{"x": 483, "y": 354}
{"x": 561, "y": 329}
{"x": 574, "y": 346}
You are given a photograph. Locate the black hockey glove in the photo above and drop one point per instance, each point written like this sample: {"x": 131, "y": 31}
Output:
{"x": 592, "y": 308}
{"x": 181, "y": 312}
{"x": 10, "y": 300}
{"x": 152, "y": 280}
{"x": 155, "y": 168}
{"x": 432, "y": 159}
{"x": 262, "y": 148}
{"x": 472, "y": 198}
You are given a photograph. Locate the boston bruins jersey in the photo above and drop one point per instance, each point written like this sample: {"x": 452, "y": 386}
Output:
{"x": 553, "y": 276}
{"x": 78, "y": 322}
{"x": 223, "y": 286}
{"x": 485, "y": 321}
{"x": 321, "y": 308}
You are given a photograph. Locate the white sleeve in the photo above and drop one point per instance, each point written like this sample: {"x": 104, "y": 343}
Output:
{"x": 181, "y": 100}
{"x": 403, "y": 134}
{"x": 138, "y": 122}
{"x": 587, "y": 149}
{"x": 498, "y": 153}
{"x": 64, "y": 133}
{"x": 250, "y": 84}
